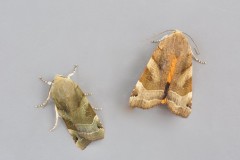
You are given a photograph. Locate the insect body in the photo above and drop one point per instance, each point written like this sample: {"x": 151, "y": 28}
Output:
{"x": 167, "y": 78}
{"x": 72, "y": 105}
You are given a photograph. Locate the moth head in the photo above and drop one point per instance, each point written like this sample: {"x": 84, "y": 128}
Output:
{"x": 59, "y": 77}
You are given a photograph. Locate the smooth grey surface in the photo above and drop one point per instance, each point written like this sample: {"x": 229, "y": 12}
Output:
{"x": 110, "y": 41}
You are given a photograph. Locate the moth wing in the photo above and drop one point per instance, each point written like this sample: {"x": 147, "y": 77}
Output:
{"x": 149, "y": 90}
{"x": 179, "y": 96}
{"x": 73, "y": 106}
{"x": 79, "y": 141}
{"x": 83, "y": 130}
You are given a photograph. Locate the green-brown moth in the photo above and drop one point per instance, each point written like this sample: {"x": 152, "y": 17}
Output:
{"x": 72, "y": 105}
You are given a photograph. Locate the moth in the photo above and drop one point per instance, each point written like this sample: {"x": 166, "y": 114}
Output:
{"x": 167, "y": 78}
{"x": 72, "y": 105}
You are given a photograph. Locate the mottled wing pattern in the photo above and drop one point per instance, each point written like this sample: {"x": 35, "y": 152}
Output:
{"x": 81, "y": 120}
{"x": 79, "y": 141}
{"x": 151, "y": 88}
{"x": 167, "y": 77}
{"x": 179, "y": 97}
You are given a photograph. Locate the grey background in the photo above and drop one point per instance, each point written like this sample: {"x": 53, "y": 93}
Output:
{"x": 110, "y": 41}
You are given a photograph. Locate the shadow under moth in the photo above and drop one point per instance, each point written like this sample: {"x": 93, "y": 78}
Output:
{"x": 167, "y": 78}
{"x": 72, "y": 105}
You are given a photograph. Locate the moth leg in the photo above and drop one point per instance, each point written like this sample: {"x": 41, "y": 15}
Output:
{"x": 198, "y": 60}
{"x": 97, "y": 109}
{"x": 47, "y": 82}
{"x": 156, "y": 41}
{"x": 56, "y": 120}
{"x": 73, "y": 72}
{"x": 88, "y": 94}
{"x": 45, "y": 102}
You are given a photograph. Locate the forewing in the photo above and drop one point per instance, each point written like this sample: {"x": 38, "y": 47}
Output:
{"x": 179, "y": 96}
{"x": 80, "y": 118}
{"x": 151, "y": 88}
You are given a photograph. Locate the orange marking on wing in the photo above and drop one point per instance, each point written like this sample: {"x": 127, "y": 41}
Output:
{"x": 172, "y": 69}
{"x": 173, "y": 60}
{"x": 164, "y": 101}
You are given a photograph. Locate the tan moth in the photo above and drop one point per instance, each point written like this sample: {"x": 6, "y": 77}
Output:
{"x": 167, "y": 78}
{"x": 71, "y": 104}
